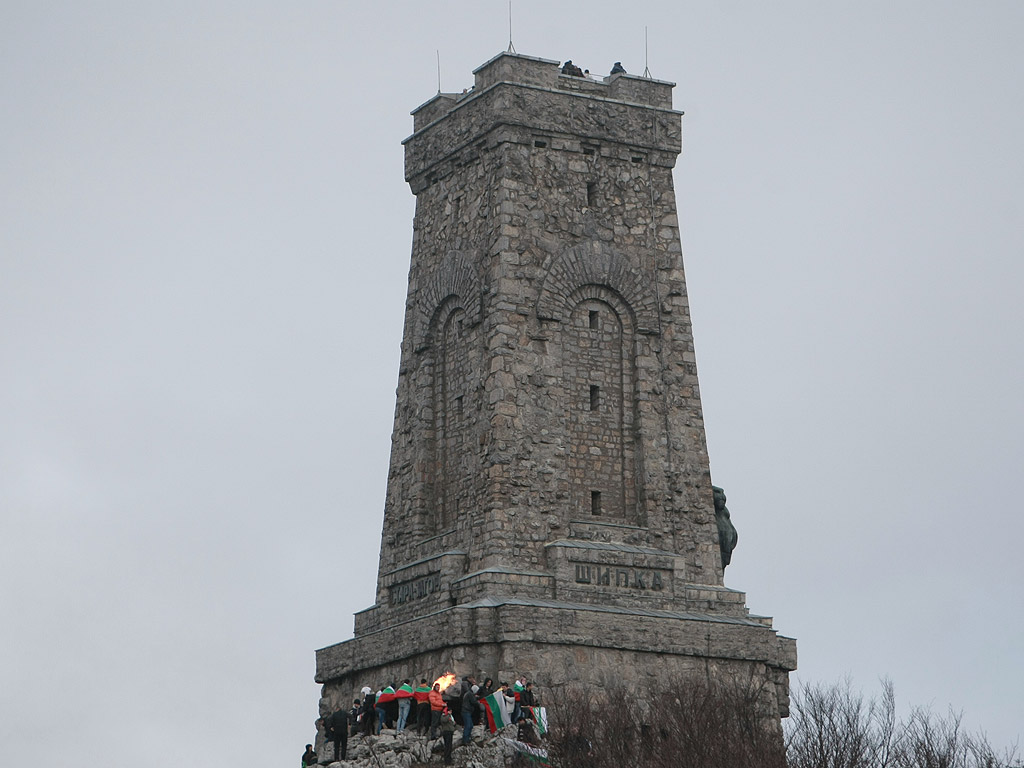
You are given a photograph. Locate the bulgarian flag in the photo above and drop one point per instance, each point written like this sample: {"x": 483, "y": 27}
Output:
{"x": 422, "y": 693}
{"x": 517, "y": 689}
{"x": 535, "y": 754}
{"x": 497, "y": 711}
{"x": 404, "y": 691}
{"x": 388, "y": 694}
{"x": 540, "y": 717}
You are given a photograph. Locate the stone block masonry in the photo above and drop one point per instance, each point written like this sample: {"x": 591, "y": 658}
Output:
{"x": 549, "y": 509}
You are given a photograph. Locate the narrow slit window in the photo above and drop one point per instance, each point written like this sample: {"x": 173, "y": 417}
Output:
{"x": 591, "y": 192}
{"x": 539, "y": 143}
{"x": 595, "y": 502}
{"x": 637, "y": 158}
{"x": 592, "y": 318}
{"x": 588, "y": 150}
{"x": 458, "y": 405}
{"x": 595, "y": 397}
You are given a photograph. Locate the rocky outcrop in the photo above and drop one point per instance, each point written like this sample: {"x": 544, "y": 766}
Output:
{"x": 410, "y": 750}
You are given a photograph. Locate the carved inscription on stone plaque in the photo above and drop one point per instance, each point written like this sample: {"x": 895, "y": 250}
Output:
{"x": 623, "y": 578}
{"x": 415, "y": 589}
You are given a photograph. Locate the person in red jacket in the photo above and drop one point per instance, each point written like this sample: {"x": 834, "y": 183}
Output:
{"x": 437, "y": 706}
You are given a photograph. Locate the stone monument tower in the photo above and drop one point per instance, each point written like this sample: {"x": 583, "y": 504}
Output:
{"x": 549, "y": 508}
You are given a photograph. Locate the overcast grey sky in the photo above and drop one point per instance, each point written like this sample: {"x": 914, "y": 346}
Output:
{"x": 204, "y": 242}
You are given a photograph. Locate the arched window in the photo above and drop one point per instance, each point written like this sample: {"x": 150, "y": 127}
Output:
{"x": 454, "y": 386}
{"x": 599, "y": 386}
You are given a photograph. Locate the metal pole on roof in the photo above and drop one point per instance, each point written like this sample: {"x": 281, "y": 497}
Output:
{"x": 647, "y": 71}
{"x": 438, "y": 51}
{"x": 511, "y": 48}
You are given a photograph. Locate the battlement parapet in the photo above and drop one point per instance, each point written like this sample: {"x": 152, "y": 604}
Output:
{"x": 517, "y": 69}
{"x": 524, "y": 100}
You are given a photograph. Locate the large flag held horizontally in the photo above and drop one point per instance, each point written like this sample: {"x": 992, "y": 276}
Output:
{"x": 388, "y": 694}
{"x": 497, "y": 711}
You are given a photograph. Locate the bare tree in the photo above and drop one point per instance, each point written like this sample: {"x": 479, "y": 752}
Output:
{"x": 834, "y": 727}
{"x": 688, "y": 724}
{"x": 728, "y": 724}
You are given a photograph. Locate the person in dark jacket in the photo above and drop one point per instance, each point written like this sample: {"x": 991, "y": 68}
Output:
{"x": 470, "y": 704}
{"x": 453, "y": 696}
{"x": 366, "y": 710}
{"x": 336, "y": 730}
{"x": 308, "y": 757}
{"x": 527, "y": 698}
{"x": 486, "y": 689}
{"x": 447, "y": 725}
{"x": 353, "y": 718}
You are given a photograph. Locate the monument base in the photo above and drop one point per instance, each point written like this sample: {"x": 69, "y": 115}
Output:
{"x": 558, "y": 644}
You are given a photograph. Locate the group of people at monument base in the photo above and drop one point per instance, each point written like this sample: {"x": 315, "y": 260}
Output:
{"x": 430, "y": 710}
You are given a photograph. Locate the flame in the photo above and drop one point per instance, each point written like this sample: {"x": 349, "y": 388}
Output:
{"x": 445, "y": 680}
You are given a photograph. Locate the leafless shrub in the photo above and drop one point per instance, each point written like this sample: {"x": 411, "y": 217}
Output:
{"x": 690, "y": 724}
{"x": 834, "y": 727}
{"x": 686, "y": 725}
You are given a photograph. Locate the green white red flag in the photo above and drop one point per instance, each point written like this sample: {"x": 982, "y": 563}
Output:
{"x": 535, "y": 754}
{"x": 539, "y": 715}
{"x": 388, "y": 694}
{"x": 422, "y": 693}
{"x": 404, "y": 691}
{"x": 497, "y": 711}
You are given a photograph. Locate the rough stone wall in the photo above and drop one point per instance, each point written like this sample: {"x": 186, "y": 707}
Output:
{"x": 559, "y": 647}
{"x": 548, "y": 371}
{"x": 549, "y": 504}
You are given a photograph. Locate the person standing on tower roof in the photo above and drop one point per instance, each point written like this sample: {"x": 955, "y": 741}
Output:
{"x": 571, "y": 69}
{"x": 618, "y": 69}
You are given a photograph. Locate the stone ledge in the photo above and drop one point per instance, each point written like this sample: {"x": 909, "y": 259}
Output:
{"x": 454, "y": 632}
{"x": 609, "y": 546}
{"x": 531, "y": 584}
